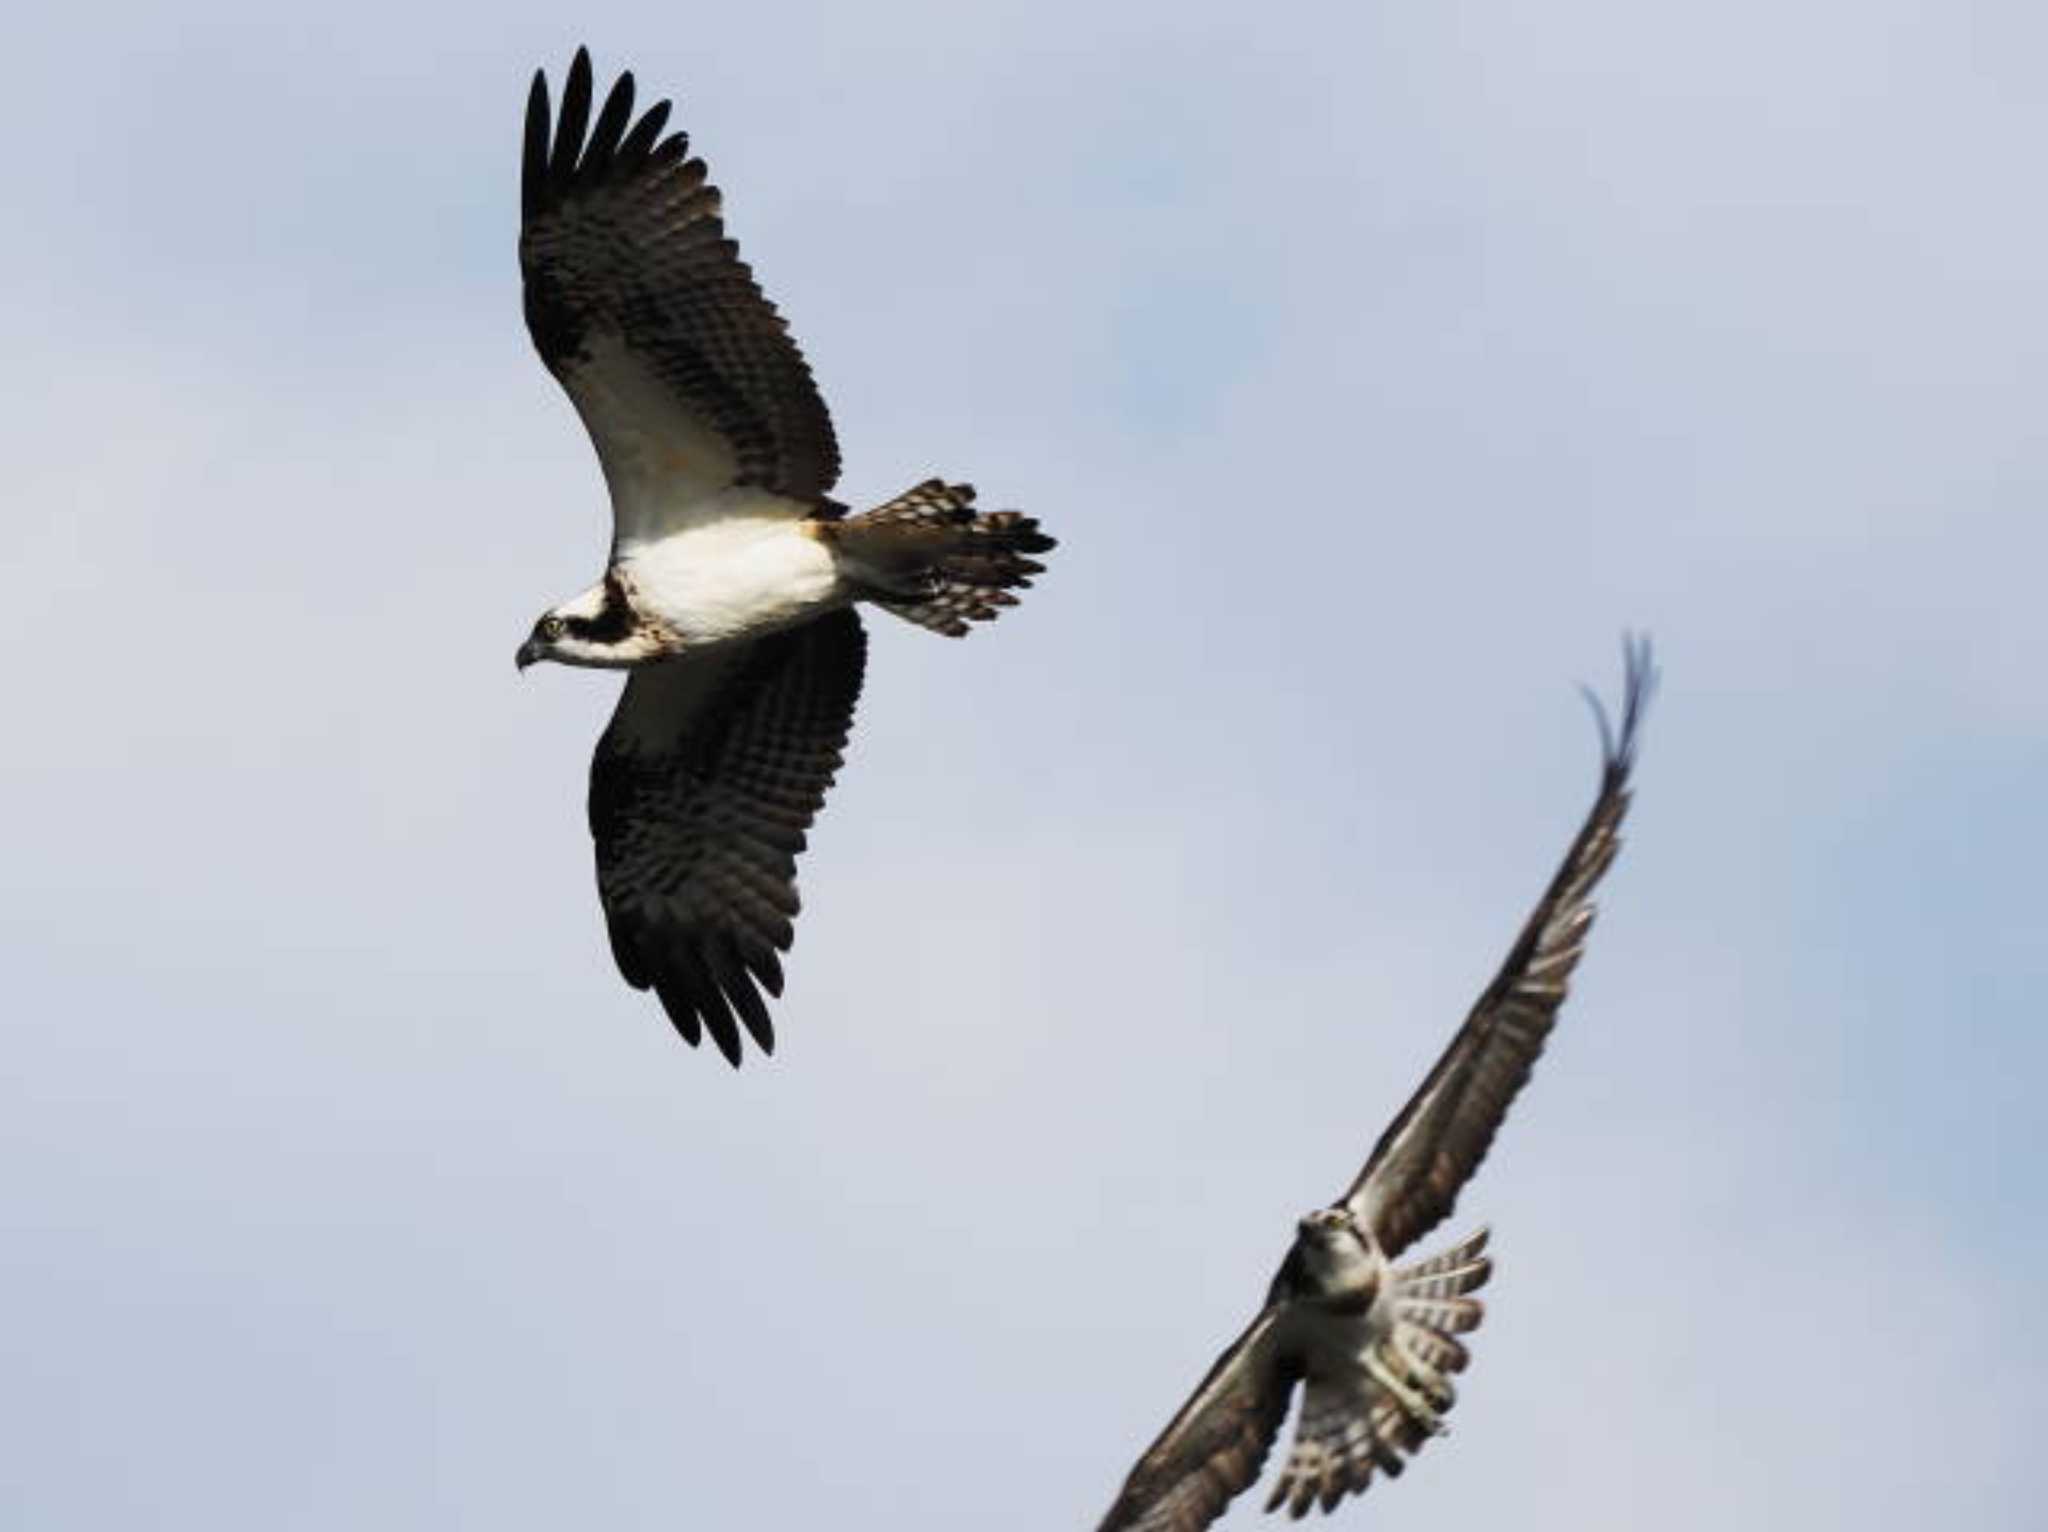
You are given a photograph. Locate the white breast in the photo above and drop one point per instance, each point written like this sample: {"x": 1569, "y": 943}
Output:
{"x": 749, "y": 568}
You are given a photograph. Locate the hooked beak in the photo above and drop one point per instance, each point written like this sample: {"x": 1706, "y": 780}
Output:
{"x": 529, "y": 652}
{"x": 1321, "y": 1223}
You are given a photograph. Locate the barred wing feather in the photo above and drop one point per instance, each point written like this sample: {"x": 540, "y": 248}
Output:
{"x": 1412, "y": 1180}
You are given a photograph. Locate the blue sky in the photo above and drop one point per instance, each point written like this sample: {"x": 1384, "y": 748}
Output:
{"x": 1376, "y": 369}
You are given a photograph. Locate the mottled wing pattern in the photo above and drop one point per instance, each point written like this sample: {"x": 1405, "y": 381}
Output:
{"x": 1412, "y": 1180}
{"x": 700, "y": 795}
{"x": 1215, "y": 1446}
{"x": 684, "y": 374}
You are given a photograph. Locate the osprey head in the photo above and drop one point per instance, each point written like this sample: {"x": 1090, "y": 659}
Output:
{"x": 598, "y": 628}
{"x": 1338, "y": 1258}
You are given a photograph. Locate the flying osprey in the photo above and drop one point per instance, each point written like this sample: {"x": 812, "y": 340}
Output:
{"x": 1375, "y": 1343}
{"x": 730, "y": 590}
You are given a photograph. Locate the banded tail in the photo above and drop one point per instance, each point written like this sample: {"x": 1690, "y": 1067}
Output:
{"x": 931, "y": 559}
{"x": 1395, "y": 1401}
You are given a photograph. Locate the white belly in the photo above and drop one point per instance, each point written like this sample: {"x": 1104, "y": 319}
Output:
{"x": 736, "y": 576}
{"x": 1335, "y": 1344}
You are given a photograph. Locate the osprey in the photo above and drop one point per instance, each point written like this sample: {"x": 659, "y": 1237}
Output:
{"x": 729, "y": 594}
{"x": 1373, "y": 1343}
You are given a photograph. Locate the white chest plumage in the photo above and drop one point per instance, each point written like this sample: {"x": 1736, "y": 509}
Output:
{"x": 1348, "y": 1308}
{"x": 1336, "y": 1341}
{"x": 748, "y": 568}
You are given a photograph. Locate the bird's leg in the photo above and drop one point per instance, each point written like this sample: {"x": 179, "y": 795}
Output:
{"x": 1420, "y": 1408}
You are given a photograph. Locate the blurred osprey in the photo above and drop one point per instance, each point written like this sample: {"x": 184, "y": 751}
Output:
{"x": 1375, "y": 1343}
{"x": 730, "y": 588}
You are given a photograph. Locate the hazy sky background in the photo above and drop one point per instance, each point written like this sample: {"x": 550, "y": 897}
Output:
{"x": 1376, "y": 366}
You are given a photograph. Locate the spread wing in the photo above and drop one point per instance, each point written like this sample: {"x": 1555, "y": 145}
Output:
{"x": 700, "y": 793}
{"x": 684, "y": 374}
{"x": 1411, "y": 1182}
{"x": 1214, "y": 1447}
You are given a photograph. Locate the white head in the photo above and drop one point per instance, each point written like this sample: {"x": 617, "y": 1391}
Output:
{"x": 1337, "y": 1257}
{"x": 598, "y": 628}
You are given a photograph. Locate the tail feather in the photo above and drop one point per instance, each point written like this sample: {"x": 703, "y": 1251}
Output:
{"x": 1432, "y": 1348}
{"x": 1465, "y": 1253}
{"x": 1352, "y": 1425}
{"x": 1449, "y": 1274}
{"x": 1453, "y": 1316}
{"x": 1454, "y": 1283}
{"x": 931, "y": 559}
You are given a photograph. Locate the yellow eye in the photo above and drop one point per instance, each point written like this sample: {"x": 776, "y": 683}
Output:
{"x": 551, "y": 628}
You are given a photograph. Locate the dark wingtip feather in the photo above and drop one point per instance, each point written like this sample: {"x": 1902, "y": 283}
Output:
{"x": 706, "y": 989}
{"x": 693, "y": 978}
{"x": 681, "y": 1014}
{"x": 533, "y": 159}
{"x": 753, "y": 1014}
{"x": 729, "y": 972}
{"x": 611, "y": 125}
{"x": 574, "y": 120}
{"x": 625, "y": 953}
{"x": 727, "y": 1036}
{"x": 637, "y": 143}
{"x": 761, "y": 962}
{"x": 1638, "y": 686}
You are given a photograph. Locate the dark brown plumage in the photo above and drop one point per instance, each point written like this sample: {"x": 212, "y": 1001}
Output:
{"x": 1212, "y": 1450}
